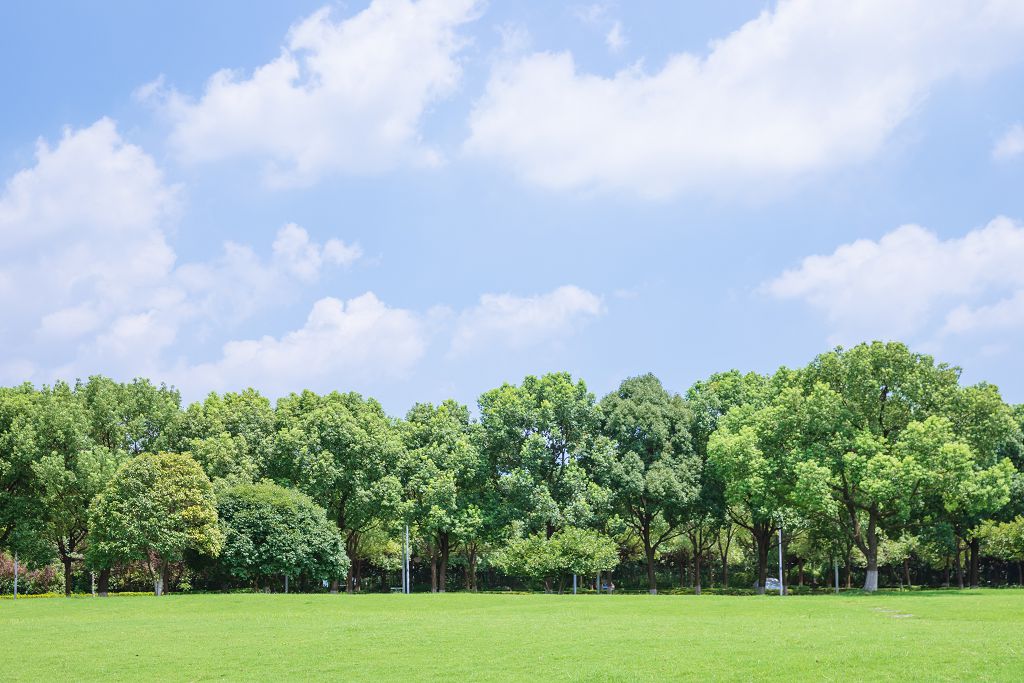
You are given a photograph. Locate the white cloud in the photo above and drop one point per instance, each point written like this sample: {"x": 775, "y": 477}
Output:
{"x": 515, "y": 322}
{"x": 354, "y": 341}
{"x": 801, "y": 88}
{"x": 88, "y": 281}
{"x": 911, "y": 282}
{"x": 615, "y": 39}
{"x": 1011, "y": 144}
{"x": 342, "y": 96}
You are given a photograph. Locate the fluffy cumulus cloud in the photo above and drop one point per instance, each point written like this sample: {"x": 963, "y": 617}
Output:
{"x": 343, "y": 95}
{"x": 803, "y": 87}
{"x": 358, "y": 340}
{"x": 509, "y": 321}
{"x": 913, "y": 284}
{"x": 88, "y": 280}
{"x": 1011, "y": 144}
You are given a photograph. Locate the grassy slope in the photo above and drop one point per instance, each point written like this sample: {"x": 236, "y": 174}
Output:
{"x": 976, "y": 635}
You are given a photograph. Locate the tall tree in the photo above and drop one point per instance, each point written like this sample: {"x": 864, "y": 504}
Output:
{"x": 157, "y": 506}
{"x": 860, "y": 403}
{"x": 754, "y": 453}
{"x": 535, "y": 437}
{"x": 345, "y": 453}
{"x": 649, "y": 465}
{"x": 442, "y": 471}
{"x": 230, "y": 435}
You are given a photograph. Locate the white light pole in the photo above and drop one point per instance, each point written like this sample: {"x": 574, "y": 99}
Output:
{"x": 781, "y": 590}
{"x": 407, "y": 581}
{"x": 574, "y": 584}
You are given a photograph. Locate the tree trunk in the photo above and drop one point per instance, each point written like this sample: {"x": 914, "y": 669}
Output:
{"x": 696, "y": 573}
{"x": 165, "y": 576}
{"x": 433, "y": 568}
{"x": 800, "y": 573}
{"x": 1020, "y": 572}
{"x": 69, "y": 575}
{"x": 442, "y": 580}
{"x": 104, "y": 583}
{"x": 682, "y": 567}
{"x": 762, "y": 538}
{"x": 870, "y": 549}
{"x": 652, "y": 584}
{"x": 906, "y": 570}
{"x": 975, "y": 553}
{"x": 959, "y": 568}
{"x": 335, "y": 586}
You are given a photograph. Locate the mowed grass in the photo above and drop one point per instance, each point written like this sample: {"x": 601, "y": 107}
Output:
{"x": 968, "y": 635}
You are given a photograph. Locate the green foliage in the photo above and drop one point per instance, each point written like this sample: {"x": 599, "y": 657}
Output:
{"x": 155, "y": 507}
{"x": 570, "y": 550}
{"x": 272, "y": 531}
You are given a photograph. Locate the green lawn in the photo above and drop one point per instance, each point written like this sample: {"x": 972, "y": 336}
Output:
{"x": 976, "y": 635}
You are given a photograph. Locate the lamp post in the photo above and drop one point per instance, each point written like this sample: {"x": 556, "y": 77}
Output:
{"x": 782, "y": 590}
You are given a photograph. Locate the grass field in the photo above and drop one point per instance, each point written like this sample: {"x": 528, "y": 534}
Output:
{"x": 971, "y": 635}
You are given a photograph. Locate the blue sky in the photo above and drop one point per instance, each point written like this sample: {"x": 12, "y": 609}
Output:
{"x": 419, "y": 200}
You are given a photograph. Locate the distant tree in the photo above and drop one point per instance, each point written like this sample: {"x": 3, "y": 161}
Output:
{"x": 649, "y": 465}
{"x": 273, "y": 531}
{"x": 570, "y": 550}
{"x": 230, "y": 435}
{"x": 754, "y": 452}
{"x": 442, "y": 469}
{"x": 860, "y": 403}
{"x": 155, "y": 507}
{"x": 536, "y": 437}
{"x": 1004, "y": 540}
{"x": 346, "y": 454}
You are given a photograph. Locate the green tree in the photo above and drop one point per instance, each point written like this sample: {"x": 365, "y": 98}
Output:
{"x": 860, "y": 403}
{"x": 345, "y": 453}
{"x": 649, "y": 465}
{"x": 157, "y": 506}
{"x": 754, "y": 453}
{"x": 570, "y": 550}
{"x": 536, "y": 436}
{"x": 230, "y": 435}
{"x": 272, "y": 531}
{"x": 442, "y": 472}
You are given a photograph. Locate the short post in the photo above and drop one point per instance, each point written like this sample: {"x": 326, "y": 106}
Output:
{"x": 835, "y": 563}
{"x": 286, "y": 583}
{"x": 15, "y": 576}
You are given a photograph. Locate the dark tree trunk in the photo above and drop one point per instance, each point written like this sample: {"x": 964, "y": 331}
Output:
{"x": 442, "y": 580}
{"x": 696, "y": 572}
{"x": 848, "y": 569}
{"x": 800, "y": 573}
{"x": 335, "y": 586}
{"x": 165, "y": 576}
{"x": 104, "y": 582}
{"x": 959, "y": 568}
{"x": 906, "y": 570}
{"x": 69, "y": 575}
{"x": 652, "y": 584}
{"x": 762, "y": 538}
{"x": 682, "y": 567}
{"x": 433, "y": 569}
{"x": 975, "y": 553}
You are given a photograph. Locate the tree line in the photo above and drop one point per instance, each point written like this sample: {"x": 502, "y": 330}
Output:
{"x": 868, "y": 457}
